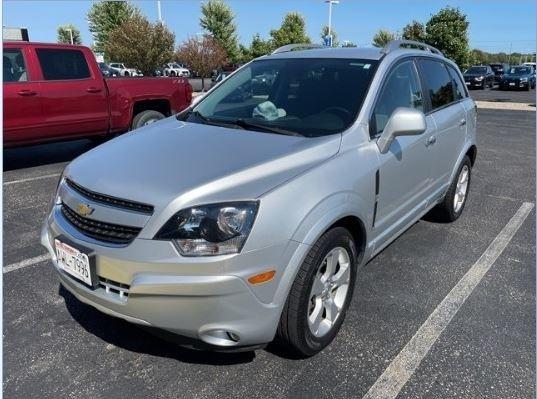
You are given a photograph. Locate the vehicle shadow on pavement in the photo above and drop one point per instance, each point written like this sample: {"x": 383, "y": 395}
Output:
{"x": 44, "y": 154}
{"x": 130, "y": 337}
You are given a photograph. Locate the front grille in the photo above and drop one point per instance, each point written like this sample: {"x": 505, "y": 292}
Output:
{"x": 114, "y": 288}
{"x": 109, "y": 200}
{"x": 107, "y": 232}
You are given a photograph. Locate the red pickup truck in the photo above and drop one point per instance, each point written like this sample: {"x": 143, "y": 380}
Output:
{"x": 57, "y": 92}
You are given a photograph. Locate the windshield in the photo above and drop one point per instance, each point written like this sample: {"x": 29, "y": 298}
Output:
{"x": 305, "y": 96}
{"x": 519, "y": 71}
{"x": 477, "y": 70}
{"x": 175, "y": 66}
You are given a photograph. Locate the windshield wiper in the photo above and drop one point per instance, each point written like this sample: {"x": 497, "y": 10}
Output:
{"x": 210, "y": 121}
{"x": 271, "y": 129}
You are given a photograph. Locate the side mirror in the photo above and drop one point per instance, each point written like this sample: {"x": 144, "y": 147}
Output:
{"x": 402, "y": 122}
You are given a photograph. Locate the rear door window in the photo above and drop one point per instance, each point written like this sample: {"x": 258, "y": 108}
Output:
{"x": 14, "y": 66}
{"x": 59, "y": 64}
{"x": 460, "y": 87}
{"x": 438, "y": 83}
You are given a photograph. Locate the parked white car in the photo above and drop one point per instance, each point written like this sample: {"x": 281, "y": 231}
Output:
{"x": 122, "y": 70}
{"x": 174, "y": 69}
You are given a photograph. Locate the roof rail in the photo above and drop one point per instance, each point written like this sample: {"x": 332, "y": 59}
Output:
{"x": 396, "y": 44}
{"x": 296, "y": 46}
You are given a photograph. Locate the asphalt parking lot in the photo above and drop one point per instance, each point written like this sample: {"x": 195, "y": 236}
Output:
{"x": 503, "y": 96}
{"x": 56, "y": 347}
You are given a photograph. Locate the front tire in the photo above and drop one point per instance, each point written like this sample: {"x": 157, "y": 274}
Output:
{"x": 145, "y": 118}
{"x": 320, "y": 295}
{"x": 453, "y": 204}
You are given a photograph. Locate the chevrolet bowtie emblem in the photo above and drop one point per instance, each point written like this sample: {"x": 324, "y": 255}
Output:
{"x": 84, "y": 210}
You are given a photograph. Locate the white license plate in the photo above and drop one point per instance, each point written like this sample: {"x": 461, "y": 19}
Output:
{"x": 467, "y": 83}
{"x": 74, "y": 262}
{"x": 512, "y": 84}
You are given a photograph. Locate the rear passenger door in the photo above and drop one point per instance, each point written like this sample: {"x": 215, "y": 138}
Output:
{"x": 450, "y": 118}
{"x": 74, "y": 99}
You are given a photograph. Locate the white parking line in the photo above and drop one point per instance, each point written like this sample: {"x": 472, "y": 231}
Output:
{"x": 25, "y": 263}
{"x": 7, "y": 183}
{"x": 390, "y": 383}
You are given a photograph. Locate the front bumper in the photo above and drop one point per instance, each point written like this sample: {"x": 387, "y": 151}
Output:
{"x": 513, "y": 84}
{"x": 474, "y": 84}
{"x": 204, "y": 298}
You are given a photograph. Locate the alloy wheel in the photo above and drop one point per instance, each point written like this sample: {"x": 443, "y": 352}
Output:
{"x": 329, "y": 291}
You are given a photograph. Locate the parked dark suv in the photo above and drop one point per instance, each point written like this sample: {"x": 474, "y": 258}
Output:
{"x": 479, "y": 76}
{"x": 519, "y": 77}
{"x": 499, "y": 70}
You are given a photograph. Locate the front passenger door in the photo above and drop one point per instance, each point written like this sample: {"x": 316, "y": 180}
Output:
{"x": 404, "y": 171}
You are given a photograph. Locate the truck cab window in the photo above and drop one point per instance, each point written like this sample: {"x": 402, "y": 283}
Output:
{"x": 14, "y": 66}
{"x": 62, "y": 64}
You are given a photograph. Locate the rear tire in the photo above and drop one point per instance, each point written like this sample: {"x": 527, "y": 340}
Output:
{"x": 145, "y": 118}
{"x": 315, "y": 309}
{"x": 453, "y": 203}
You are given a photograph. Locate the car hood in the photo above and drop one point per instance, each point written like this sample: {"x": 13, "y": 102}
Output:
{"x": 516, "y": 76}
{"x": 193, "y": 163}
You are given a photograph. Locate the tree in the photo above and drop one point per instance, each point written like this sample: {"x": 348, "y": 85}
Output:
{"x": 202, "y": 55}
{"x": 65, "y": 32}
{"x": 105, "y": 16}
{"x": 324, "y": 33}
{"x": 382, "y": 38}
{"x": 292, "y": 30}
{"x": 217, "y": 19}
{"x": 141, "y": 44}
{"x": 447, "y": 30}
{"x": 414, "y": 31}
{"x": 260, "y": 47}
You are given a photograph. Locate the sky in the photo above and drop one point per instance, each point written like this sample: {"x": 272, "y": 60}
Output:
{"x": 495, "y": 25}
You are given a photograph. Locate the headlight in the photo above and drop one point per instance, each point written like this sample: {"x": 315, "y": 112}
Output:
{"x": 206, "y": 230}
{"x": 523, "y": 80}
{"x": 479, "y": 78}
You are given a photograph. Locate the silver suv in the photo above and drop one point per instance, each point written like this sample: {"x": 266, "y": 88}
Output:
{"x": 248, "y": 216}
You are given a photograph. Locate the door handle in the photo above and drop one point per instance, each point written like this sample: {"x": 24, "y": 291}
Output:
{"x": 27, "y": 93}
{"x": 93, "y": 90}
{"x": 430, "y": 141}
{"x": 462, "y": 122}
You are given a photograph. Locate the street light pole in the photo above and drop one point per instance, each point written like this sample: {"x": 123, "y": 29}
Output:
{"x": 159, "y": 11}
{"x": 330, "y": 2}
{"x": 71, "y": 35}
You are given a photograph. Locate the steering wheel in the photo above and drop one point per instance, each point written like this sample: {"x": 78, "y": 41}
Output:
{"x": 338, "y": 111}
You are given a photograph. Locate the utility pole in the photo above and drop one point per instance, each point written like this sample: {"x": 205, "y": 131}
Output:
{"x": 159, "y": 11}
{"x": 330, "y": 2}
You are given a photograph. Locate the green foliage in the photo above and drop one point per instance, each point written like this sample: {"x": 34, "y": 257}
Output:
{"x": 218, "y": 19}
{"x": 65, "y": 32}
{"x": 447, "y": 30}
{"x": 292, "y": 30}
{"x": 105, "y": 16}
{"x": 324, "y": 33}
{"x": 260, "y": 47}
{"x": 382, "y": 38}
{"x": 141, "y": 44}
{"x": 414, "y": 31}
{"x": 479, "y": 57}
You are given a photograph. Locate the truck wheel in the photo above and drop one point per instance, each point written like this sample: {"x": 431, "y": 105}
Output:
{"x": 172, "y": 74}
{"x": 453, "y": 204}
{"x": 320, "y": 295}
{"x": 127, "y": 73}
{"x": 146, "y": 118}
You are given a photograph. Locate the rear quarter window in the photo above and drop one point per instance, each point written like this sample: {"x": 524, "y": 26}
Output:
{"x": 59, "y": 64}
{"x": 438, "y": 83}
